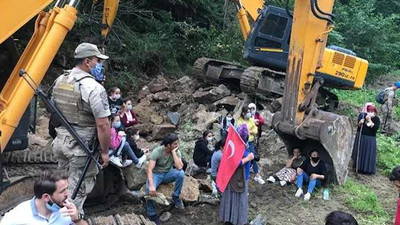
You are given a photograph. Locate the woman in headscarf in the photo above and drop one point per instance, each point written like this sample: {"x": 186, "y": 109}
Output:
{"x": 364, "y": 150}
{"x": 234, "y": 199}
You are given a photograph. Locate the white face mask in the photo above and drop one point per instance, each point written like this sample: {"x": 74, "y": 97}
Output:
{"x": 136, "y": 137}
{"x": 129, "y": 107}
{"x": 229, "y": 118}
{"x": 117, "y": 96}
{"x": 371, "y": 114}
{"x": 209, "y": 138}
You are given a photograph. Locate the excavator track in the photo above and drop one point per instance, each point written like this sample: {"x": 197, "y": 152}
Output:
{"x": 250, "y": 78}
{"x": 29, "y": 157}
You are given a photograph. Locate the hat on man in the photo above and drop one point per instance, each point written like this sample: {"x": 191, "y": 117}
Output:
{"x": 86, "y": 50}
{"x": 397, "y": 84}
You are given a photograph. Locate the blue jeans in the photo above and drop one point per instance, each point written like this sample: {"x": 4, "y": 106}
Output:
{"x": 126, "y": 149}
{"x": 312, "y": 182}
{"x": 253, "y": 162}
{"x": 160, "y": 178}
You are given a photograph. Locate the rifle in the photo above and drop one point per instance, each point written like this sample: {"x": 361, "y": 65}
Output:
{"x": 64, "y": 122}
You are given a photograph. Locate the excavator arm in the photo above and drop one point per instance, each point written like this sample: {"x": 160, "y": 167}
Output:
{"x": 50, "y": 30}
{"x": 300, "y": 123}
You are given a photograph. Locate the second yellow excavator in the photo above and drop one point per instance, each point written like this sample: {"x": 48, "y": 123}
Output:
{"x": 290, "y": 59}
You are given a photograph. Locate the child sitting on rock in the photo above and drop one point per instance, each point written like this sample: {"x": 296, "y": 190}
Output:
{"x": 118, "y": 145}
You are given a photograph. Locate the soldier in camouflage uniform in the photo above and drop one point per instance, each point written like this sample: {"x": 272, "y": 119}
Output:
{"x": 387, "y": 107}
{"x": 84, "y": 103}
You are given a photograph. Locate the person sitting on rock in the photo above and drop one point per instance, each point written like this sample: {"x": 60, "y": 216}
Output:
{"x": 160, "y": 170}
{"x": 312, "y": 170}
{"x": 202, "y": 154}
{"x": 128, "y": 116}
{"x": 114, "y": 100}
{"x": 118, "y": 145}
{"x": 132, "y": 135}
{"x": 225, "y": 123}
{"x": 216, "y": 158}
{"x": 288, "y": 173}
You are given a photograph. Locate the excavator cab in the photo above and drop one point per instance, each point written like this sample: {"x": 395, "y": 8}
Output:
{"x": 268, "y": 42}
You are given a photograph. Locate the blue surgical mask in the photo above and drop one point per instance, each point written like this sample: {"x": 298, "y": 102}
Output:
{"x": 117, "y": 125}
{"x": 98, "y": 72}
{"x": 248, "y": 115}
{"x": 52, "y": 206}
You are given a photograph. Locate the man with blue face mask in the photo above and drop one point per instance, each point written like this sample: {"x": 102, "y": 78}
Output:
{"x": 48, "y": 206}
{"x": 84, "y": 104}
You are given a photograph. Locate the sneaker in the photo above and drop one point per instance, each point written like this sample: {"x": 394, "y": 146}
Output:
{"x": 127, "y": 163}
{"x": 155, "y": 219}
{"x": 178, "y": 202}
{"x": 282, "y": 182}
{"x": 299, "y": 192}
{"x": 141, "y": 161}
{"x": 259, "y": 180}
{"x": 116, "y": 161}
{"x": 307, "y": 196}
{"x": 271, "y": 179}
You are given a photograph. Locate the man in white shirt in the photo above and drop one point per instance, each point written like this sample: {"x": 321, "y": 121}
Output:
{"x": 48, "y": 206}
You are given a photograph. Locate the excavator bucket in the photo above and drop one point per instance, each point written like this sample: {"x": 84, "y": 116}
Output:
{"x": 329, "y": 133}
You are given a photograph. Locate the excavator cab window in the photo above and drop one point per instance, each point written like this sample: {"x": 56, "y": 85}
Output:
{"x": 274, "y": 25}
{"x": 267, "y": 44}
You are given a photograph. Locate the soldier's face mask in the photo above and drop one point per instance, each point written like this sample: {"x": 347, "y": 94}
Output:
{"x": 98, "y": 71}
{"x": 52, "y": 206}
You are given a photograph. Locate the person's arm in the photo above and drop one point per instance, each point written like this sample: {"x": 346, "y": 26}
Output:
{"x": 247, "y": 159}
{"x": 124, "y": 120}
{"x": 103, "y": 134}
{"x": 260, "y": 120}
{"x": 322, "y": 172}
{"x": 377, "y": 123}
{"x": 289, "y": 162}
{"x": 150, "y": 168}
{"x": 202, "y": 145}
{"x": 302, "y": 168}
{"x": 135, "y": 119}
{"x": 253, "y": 128}
{"x": 177, "y": 159}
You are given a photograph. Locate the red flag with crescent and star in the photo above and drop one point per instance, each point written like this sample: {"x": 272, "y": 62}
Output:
{"x": 231, "y": 157}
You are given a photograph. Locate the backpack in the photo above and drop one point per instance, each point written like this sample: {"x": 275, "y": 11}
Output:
{"x": 380, "y": 97}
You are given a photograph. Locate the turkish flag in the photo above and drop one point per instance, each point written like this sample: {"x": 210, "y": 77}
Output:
{"x": 231, "y": 157}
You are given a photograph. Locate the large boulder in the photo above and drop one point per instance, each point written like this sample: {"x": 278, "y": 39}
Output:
{"x": 229, "y": 103}
{"x": 206, "y": 96}
{"x": 159, "y": 131}
{"x": 144, "y": 92}
{"x": 183, "y": 84}
{"x": 190, "y": 190}
{"x": 204, "y": 118}
{"x": 162, "y": 96}
{"x": 267, "y": 115}
{"x": 135, "y": 178}
{"x": 144, "y": 128}
{"x": 158, "y": 84}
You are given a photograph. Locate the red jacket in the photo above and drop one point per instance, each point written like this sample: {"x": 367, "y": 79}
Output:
{"x": 129, "y": 123}
{"x": 257, "y": 116}
{"x": 397, "y": 218}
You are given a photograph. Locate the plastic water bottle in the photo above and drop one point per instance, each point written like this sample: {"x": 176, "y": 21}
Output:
{"x": 326, "y": 194}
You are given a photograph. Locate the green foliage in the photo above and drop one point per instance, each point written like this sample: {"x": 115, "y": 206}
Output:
{"x": 364, "y": 200}
{"x": 389, "y": 153}
{"x": 356, "y": 98}
{"x": 371, "y": 33}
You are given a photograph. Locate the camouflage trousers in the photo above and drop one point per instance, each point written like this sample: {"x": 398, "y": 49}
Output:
{"x": 72, "y": 158}
{"x": 386, "y": 119}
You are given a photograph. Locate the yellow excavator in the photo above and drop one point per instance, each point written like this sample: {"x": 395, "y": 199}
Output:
{"x": 18, "y": 73}
{"x": 289, "y": 58}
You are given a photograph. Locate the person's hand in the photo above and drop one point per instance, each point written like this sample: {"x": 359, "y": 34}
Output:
{"x": 174, "y": 150}
{"x": 362, "y": 121}
{"x": 105, "y": 159}
{"x": 71, "y": 211}
{"x": 152, "y": 190}
{"x": 250, "y": 156}
{"x": 257, "y": 121}
{"x": 368, "y": 118}
{"x": 121, "y": 133}
{"x": 294, "y": 157}
{"x": 314, "y": 176}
